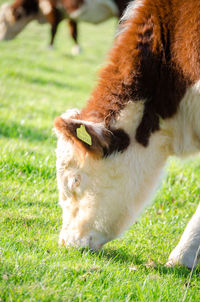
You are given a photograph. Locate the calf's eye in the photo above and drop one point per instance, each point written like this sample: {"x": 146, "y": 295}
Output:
{"x": 74, "y": 182}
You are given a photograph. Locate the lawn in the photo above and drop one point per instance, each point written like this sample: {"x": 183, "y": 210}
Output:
{"x": 36, "y": 85}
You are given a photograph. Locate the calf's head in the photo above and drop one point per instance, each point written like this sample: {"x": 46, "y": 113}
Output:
{"x": 14, "y": 18}
{"x": 104, "y": 178}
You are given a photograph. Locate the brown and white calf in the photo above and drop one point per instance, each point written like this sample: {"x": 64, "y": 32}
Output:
{"x": 14, "y": 17}
{"x": 145, "y": 108}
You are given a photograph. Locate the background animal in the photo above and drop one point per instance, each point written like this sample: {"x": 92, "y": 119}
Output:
{"x": 145, "y": 108}
{"x": 14, "y": 17}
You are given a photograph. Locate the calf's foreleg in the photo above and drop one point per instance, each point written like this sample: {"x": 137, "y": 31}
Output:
{"x": 187, "y": 252}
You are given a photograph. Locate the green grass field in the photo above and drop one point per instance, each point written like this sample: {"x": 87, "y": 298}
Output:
{"x": 36, "y": 85}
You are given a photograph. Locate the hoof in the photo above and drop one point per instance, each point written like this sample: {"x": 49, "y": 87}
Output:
{"x": 51, "y": 47}
{"x": 189, "y": 262}
{"x": 171, "y": 263}
{"x": 76, "y": 50}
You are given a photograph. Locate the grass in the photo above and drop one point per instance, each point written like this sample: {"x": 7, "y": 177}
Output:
{"x": 36, "y": 85}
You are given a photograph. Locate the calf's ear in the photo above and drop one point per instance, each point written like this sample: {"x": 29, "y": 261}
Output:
{"x": 91, "y": 137}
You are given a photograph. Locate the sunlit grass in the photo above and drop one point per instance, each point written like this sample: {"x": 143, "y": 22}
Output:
{"x": 36, "y": 85}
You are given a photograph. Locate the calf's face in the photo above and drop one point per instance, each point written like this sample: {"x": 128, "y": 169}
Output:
{"x": 100, "y": 195}
{"x": 79, "y": 183}
{"x": 87, "y": 189}
{"x": 14, "y": 19}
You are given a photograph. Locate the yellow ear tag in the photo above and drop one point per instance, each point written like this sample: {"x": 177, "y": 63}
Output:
{"x": 83, "y": 135}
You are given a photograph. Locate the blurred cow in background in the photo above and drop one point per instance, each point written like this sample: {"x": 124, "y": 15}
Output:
{"x": 14, "y": 17}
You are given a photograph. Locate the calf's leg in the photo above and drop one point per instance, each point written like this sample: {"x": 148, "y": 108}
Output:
{"x": 54, "y": 28}
{"x": 73, "y": 29}
{"x": 187, "y": 252}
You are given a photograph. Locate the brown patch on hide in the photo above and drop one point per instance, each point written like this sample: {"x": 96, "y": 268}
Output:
{"x": 155, "y": 59}
{"x": 103, "y": 141}
{"x": 22, "y": 8}
{"x": 54, "y": 17}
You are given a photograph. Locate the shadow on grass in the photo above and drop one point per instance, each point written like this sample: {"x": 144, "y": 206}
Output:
{"x": 120, "y": 255}
{"x": 68, "y": 56}
{"x": 33, "y": 79}
{"x": 15, "y": 130}
{"x": 28, "y": 61}
{"x": 176, "y": 270}
{"x": 51, "y": 70}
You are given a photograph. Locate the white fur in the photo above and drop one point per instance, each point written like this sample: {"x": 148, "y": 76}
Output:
{"x": 112, "y": 192}
{"x": 130, "y": 117}
{"x": 76, "y": 50}
{"x": 45, "y": 7}
{"x": 95, "y": 11}
{"x": 185, "y": 126}
{"x": 129, "y": 13}
{"x": 110, "y": 197}
{"x": 185, "y": 252}
{"x": 70, "y": 113}
{"x": 131, "y": 10}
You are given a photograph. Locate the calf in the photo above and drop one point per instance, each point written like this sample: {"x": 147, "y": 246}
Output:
{"x": 14, "y": 17}
{"x": 145, "y": 108}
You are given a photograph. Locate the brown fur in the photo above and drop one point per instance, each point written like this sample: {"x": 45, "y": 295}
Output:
{"x": 28, "y": 7}
{"x": 102, "y": 145}
{"x": 155, "y": 59}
